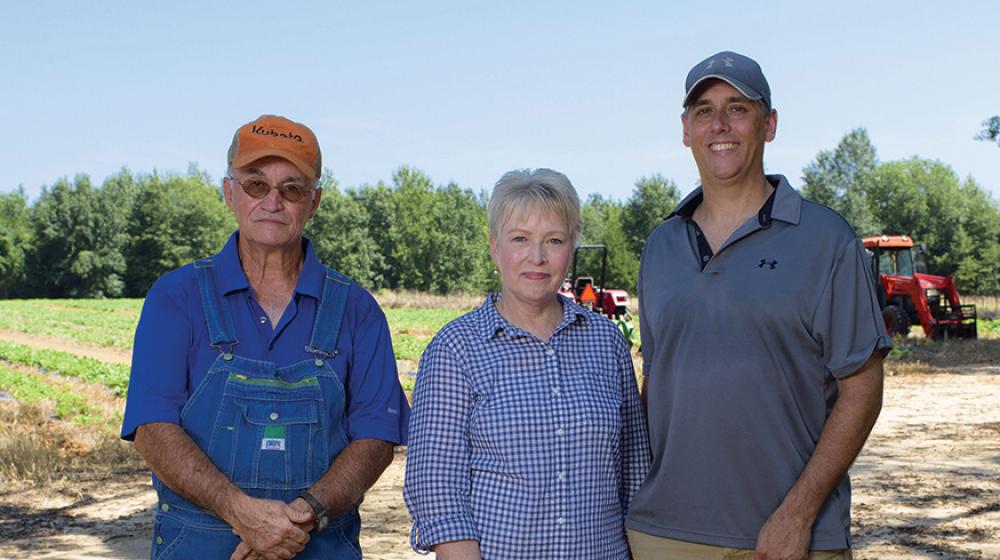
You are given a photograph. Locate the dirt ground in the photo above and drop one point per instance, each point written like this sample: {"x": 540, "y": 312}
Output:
{"x": 927, "y": 484}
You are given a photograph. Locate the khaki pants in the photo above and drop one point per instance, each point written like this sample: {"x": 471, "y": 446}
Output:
{"x": 649, "y": 547}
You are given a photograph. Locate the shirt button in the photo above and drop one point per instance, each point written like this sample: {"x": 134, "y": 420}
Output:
{"x": 274, "y": 416}
{"x": 555, "y": 391}
{"x": 560, "y": 521}
{"x": 263, "y": 320}
{"x": 165, "y": 507}
{"x": 559, "y": 431}
{"x": 550, "y": 351}
{"x": 561, "y": 475}
{"x": 159, "y": 540}
{"x": 705, "y": 258}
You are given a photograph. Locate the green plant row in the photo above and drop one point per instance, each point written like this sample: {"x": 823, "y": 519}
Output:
{"x": 425, "y": 320}
{"x": 412, "y": 329}
{"x": 113, "y": 376}
{"x": 112, "y": 323}
{"x": 32, "y": 390}
{"x": 108, "y": 323}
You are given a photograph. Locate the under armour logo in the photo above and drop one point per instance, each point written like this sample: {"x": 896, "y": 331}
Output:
{"x": 765, "y": 262}
{"x": 728, "y": 62}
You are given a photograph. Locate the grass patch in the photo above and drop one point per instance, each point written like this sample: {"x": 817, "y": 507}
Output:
{"x": 412, "y": 329}
{"x": 107, "y": 323}
{"x": 988, "y": 328}
{"x": 921, "y": 355}
{"x": 31, "y": 389}
{"x": 112, "y": 376}
{"x": 111, "y": 323}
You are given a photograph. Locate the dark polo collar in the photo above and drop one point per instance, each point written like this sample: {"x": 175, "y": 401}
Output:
{"x": 784, "y": 204}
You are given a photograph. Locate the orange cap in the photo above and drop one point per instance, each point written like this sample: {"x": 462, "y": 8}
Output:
{"x": 271, "y": 135}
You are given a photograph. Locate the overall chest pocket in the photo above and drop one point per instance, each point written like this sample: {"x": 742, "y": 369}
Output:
{"x": 272, "y": 444}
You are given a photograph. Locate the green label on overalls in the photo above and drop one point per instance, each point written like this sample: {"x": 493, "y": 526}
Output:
{"x": 274, "y": 438}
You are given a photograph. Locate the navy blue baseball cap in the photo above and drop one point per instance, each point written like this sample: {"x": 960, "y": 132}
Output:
{"x": 741, "y": 72}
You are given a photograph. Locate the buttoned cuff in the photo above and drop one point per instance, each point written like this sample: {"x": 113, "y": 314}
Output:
{"x": 425, "y": 535}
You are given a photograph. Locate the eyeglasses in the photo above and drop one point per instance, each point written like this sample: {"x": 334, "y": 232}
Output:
{"x": 292, "y": 192}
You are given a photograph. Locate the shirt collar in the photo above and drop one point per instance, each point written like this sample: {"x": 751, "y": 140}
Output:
{"x": 232, "y": 278}
{"x": 494, "y": 321}
{"x": 784, "y": 204}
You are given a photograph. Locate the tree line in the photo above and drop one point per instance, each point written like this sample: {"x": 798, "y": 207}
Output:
{"x": 78, "y": 239}
{"x": 81, "y": 240}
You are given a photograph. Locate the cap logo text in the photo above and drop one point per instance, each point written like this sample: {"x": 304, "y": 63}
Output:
{"x": 271, "y": 132}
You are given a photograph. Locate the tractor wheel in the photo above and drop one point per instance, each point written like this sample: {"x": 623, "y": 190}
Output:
{"x": 896, "y": 320}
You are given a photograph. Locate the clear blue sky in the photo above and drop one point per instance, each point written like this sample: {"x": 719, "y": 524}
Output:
{"x": 467, "y": 90}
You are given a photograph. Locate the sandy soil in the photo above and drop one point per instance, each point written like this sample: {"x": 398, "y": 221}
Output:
{"x": 926, "y": 486}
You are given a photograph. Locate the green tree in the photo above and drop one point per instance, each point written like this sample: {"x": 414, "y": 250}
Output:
{"x": 15, "y": 240}
{"x": 925, "y": 199}
{"x": 413, "y": 253}
{"x": 379, "y": 203}
{"x": 978, "y": 267}
{"x": 842, "y": 178}
{"x": 653, "y": 199}
{"x": 77, "y": 252}
{"x": 602, "y": 224}
{"x": 176, "y": 220}
{"x": 462, "y": 260}
{"x": 114, "y": 206}
{"x": 431, "y": 238}
{"x": 991, "y": 130}
{"x": 340, "y": 233}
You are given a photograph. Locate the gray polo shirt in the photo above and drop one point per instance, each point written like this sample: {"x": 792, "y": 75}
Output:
{"x": 742, "y": 358}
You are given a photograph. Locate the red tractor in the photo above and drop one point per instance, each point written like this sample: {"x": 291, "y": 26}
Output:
{"x": 911, "y": 296}
{"x": 583, "y": 290}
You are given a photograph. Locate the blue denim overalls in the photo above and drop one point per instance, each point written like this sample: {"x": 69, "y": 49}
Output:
{"x": 272, "y": 431}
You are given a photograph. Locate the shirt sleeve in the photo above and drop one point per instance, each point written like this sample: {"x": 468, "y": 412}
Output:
{"x": 848, "y": 321}
{"x": 377, "y": 406}
{"x": 158, "y": 382}
{"x": 635, "y": 453}
{"x": 438, "y": 486}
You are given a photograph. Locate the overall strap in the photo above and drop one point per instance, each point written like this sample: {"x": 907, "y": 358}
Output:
{"x": 330, "y": 315}
{"x": 220, "y": 323}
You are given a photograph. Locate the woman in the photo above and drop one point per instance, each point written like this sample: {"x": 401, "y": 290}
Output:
{"x": 527, "y": 438}
{"x": 263, "y": 391}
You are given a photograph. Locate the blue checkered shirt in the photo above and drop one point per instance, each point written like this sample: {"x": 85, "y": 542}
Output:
{"x": 532, "y": 448}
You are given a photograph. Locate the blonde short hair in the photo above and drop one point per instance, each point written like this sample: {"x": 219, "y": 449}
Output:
{"x": 523, "y": 190}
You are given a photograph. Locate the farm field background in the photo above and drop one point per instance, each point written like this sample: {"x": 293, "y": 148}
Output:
{"x": 925, "y": 486}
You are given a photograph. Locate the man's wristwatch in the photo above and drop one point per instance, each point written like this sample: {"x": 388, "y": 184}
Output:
{"x": 320, "y": 518}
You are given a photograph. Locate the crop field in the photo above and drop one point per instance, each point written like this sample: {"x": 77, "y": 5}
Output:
{"x": 927, "y": 484}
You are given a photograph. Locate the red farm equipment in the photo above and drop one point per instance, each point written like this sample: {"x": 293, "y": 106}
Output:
{"x": 910, "y": 296}
{"x": 582, "y": 289}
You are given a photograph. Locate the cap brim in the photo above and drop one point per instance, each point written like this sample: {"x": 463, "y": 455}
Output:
{"x": 744, "y": 89}
{"x": 246, "y": 159}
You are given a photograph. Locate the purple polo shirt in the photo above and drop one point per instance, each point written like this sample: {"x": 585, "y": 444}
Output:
{"x": 172, "y": 352}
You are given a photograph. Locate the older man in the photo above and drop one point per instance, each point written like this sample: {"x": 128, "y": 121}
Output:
{"x": 263, "y": 392}
{"x": 762, "y": 347}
